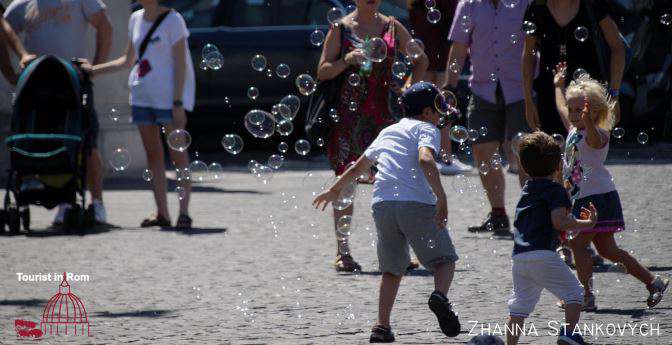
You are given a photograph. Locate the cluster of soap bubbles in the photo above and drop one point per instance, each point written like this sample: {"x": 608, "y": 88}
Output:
{"x": 433, "y": 15}
{"x": 211, "y": 58}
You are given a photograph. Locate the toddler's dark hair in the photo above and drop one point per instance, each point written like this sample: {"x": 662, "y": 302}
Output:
{"x": 539, "y": 154}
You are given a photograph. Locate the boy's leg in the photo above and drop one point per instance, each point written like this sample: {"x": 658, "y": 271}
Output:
{"x": 572, "y": 314}
{"x": 389, "y": 285}
{"x": 443, "y": 276}
{"x": 514, "y": 324}
{"x": 559, "y": 280}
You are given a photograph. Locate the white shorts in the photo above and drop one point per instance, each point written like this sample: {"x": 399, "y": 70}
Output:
{"x": 537, "y": 270}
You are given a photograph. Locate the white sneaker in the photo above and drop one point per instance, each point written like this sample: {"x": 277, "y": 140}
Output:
{"x": 99, "y": 211}
{"x": 58, "y": 220}
{"x": 454, "y": 168}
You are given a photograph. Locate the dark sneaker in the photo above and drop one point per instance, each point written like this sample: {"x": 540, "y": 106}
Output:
{"x": 656, "y": 290}
{"x": 448, "y": 321}
{"x": 381, "y": 334}
{"x": 495, "y": 224}
{"x": 597, "y": 259}
{"x": 565, "y": 338}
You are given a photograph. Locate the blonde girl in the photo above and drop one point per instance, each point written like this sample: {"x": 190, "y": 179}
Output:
{"x": 587, "y": 112}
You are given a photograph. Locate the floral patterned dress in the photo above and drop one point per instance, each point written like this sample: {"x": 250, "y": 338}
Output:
{"x": 363, "y": 110}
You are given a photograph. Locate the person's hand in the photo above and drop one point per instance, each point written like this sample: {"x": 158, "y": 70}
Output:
{"x": 585, "y": 113}
{"x": 589, "y": 214}
{"x": 441, "y": 213}
{"x": 532, "y": 116}
{"x": 354, "y": 58}
{"x": 26, "y": 59}
{"x": 179, "y": 117}
{"x": 324, "y": 198}
{"x": 560, "y": 74}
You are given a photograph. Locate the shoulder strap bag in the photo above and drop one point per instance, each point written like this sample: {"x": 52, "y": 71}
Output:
{"x": 145, "y": 41}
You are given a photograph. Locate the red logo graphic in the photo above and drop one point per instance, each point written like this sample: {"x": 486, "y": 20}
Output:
{"x": 63, "y": 314}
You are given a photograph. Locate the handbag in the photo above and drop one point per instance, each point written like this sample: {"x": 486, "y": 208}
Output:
{"x": 602, "y": 49}
{"x": 326, "y": 96}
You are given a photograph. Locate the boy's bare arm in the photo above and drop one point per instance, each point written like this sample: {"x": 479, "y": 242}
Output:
{"x": 564, "y": 221}
{"x": 362, "y": 166}
{"x": 428, "y": 165}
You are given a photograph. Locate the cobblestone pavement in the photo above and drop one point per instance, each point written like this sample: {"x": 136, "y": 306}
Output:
{"x": 257, "y": 268}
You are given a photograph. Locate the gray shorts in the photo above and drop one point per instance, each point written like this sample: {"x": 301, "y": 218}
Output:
{"x": 502, "y": 120}
{"x": 400, "y": 223}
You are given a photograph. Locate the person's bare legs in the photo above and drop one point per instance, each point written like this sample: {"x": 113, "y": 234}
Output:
{"x": 181, "y": 161}
{"x": 151, "y": 139}
{"x": 389, "y": 285}
{"x": 607, "y": 247}
{"x": 572, "y": 315}
{"x": 515, "y": 324}
{"x": 342, "y": 241}
{"x": 582, "y": 260}
{"x": 443, "y": 277}
{"x": 94, "y": 174}
{"x": 493, "y": 181}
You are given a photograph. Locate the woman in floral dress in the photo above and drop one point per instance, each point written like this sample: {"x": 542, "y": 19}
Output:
{"x": 366, "y": 99}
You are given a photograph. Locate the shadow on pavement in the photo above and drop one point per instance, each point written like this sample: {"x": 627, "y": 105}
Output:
{"x": 135, "y": 313}
{"x": 136, "y": 184}
{"x": 197, "y": 231}
{"x": 411, "y": 273}
{"x": 57, "y": 231}
{"x": 23, "y": 302}
{"x": 634, "y": 313}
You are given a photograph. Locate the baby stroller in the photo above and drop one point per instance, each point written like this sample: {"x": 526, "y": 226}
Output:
{"x": 48, "y": 144}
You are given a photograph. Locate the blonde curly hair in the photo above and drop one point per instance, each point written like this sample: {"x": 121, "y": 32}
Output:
{"x": 598, "y": 97}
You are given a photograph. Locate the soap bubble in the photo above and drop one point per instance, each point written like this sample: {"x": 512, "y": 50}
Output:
{"x": 642, "y": 138}
{"x": 214, "y": 60}
{"x": 559, "y": 139}
{"x": 495, "y": 161}
{"x": 208, "y": 49}
{"x": 375, "y": 49}
{"x": 344, "y": 225}
{"x": 493, "y": 77}
{"x": 666, "y": 19}
{"x": 430, "y": 3}
{"x": 283, "y": 147}
{"x": 581, "y": 34}
{"x": 618, "y": 132}
{"x": 320, "y": 142}
{"x": 473, "y": 135}
{"x": 579, "y": 72}
{"x": 459, "y": 134}
{"x": 293, "y": 102}
{"x": 120, "y": 159}
{"x": 305, "y": 84}
{"x": 204, "y": 65}
{"x": 147, "y": 175}
{"x": 215, "y": 171}
{"x": 282, "y": 111}
{"x": 275, "y": 161}
{"x": 317, "y": 37}
{"x": 232, "y": 143}
{"x": 285, "y": 127}
{"x": 263, "y": 173}
{"x": 513, "y": 38}
{"x": 515, "y": 141}
{"x": 454, "y": 67}
{"x": 269, "y": 73}
{"x": 433, "y": 16}
{"x": 114, "y": 115}
{"x": 258, "y": 62}
{"x": 465, "y": 23}
{"x": 334, "y": 15}
{"x": 399, "y": 69}
{"x": 510, "y": 3}
{"x": 346, "y": 197}
{"x": 179, "y": 140}
{"x": 483, "y": 131}
{"x": 260, "y": 123}
{"x": 181, "y": 193}
{"x": 352, "y": 106}
{"x": 484, "y": 168}
{"x": 529, "y": 28}
{"x": 252, "y": 93}
{"x": 354, "y": 79}
{"x": 198, "y": 171}
{"x": 302, "y": 147}
{"x": 415, "y": 48}
{"x": 282, "y": 70}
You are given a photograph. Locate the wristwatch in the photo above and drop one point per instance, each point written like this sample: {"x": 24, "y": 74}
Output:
{"x": 178, "y": 103}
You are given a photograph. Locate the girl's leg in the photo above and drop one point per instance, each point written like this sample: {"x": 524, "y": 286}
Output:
{"x": 607, "y": 247}
{"x": 582, "y": 260}
{"x": 151, "y": 140}
{"x": 181, "y": 161}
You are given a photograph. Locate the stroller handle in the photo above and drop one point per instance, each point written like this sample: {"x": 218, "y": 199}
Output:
{"x": 20, "y": 137}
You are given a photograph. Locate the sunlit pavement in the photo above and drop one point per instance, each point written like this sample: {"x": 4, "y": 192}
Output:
{"x": 257, "y": 268}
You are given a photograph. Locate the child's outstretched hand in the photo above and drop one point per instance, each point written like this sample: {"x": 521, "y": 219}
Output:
{"x": 560, "y": 74}
{"x": 590, "y": 214}
{"x": 325, "y": 198}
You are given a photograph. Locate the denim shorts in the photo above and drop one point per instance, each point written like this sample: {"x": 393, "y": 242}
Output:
{"x": 400, "y": 223}
{"x": 151, "y": 116}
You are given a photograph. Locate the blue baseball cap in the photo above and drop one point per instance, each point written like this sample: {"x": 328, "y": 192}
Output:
{"x": 418, "y": 97}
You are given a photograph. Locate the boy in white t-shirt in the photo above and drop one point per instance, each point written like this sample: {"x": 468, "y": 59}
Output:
{"x": 409, "y": 206}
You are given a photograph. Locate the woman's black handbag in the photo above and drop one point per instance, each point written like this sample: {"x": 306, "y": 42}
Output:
{"x": 318, "y": 123}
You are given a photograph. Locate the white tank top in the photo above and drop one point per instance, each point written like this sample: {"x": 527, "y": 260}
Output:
{"x": 584, "y": 169}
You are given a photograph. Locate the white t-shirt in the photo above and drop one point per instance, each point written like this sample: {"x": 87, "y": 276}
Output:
{"x": 400, "y": 177}
{"x": 155, "y": 88}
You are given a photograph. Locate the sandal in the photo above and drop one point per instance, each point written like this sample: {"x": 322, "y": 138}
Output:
{"x": 381, "y": 334}
{"x": 413, "y": 265}
{"x": 345, "y": 263}
{"x": 158, "y": 220}
{"x": 183, "y": 222}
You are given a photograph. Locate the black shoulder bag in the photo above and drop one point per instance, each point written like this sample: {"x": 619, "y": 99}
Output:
{"x": 318, "y": 125}
{"x": 148, "y": 36}
{"x": 601, "y": 47}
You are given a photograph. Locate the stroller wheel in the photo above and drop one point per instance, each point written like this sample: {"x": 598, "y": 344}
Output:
{"x": 3, "y": 221}
{"x": 14, "y": 220}
{"x": 25, "y": 218}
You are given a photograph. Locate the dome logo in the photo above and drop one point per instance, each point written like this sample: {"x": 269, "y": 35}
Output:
{"x": 64, "y": 314}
